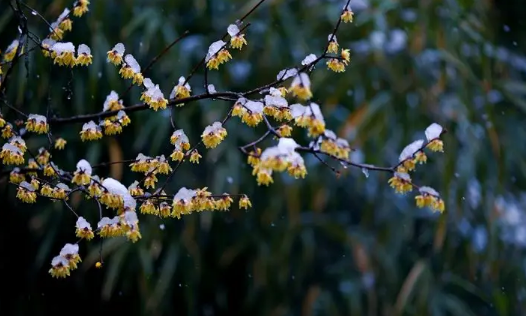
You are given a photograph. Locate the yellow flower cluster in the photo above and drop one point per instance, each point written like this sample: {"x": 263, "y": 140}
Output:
{"x": 83, "y": 229}
{"x": 7, "y": 131}
{"x": 11, "y": 155}
{"x": 116, "y": 54}
{"x": 347, "y": 15}
{"x": 58, "y": 192}
{"x": 63, "y": 54}
{"x": 309, "y": 117}
{"x": 10, "y": 52}
{"x": 187, "y": 201}
{"x": 90, "y": 131}
{"x": 37, "y": 124}
{"x": 80, "y": 8}
{"x": 430, "y": 198}
{"x": 401, "y": 182}
{"x": 125, "y": 224}
{"x": 153, "y": 96}
{"x": 60, "y": 143}
{"x": 217, "y": 55}
{"x": 113, "y": 125}
{"x": 213, "y": 135}
{"x": 181, "y": 91}
{"x": 411, "y": 155}
{"x": 337, "y": 64}
{"x": 82, "y": 175}
{"x": 237, "y": 40}
{"x": 334, "y": 146}
{"x": 300, "y": 86}
{"x": 130, "y": 68}
{"x": 66, "y": 261}
{"x": 26, "y": 193}
{"x": 282, "y": 157}
{"x": 16, "y": 177}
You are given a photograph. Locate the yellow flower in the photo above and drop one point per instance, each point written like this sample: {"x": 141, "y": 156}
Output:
{"x": 138, "y": 78}
{"x": 46, "y": 190}
{"x": 81, "y": 178}
{"x": 60, "y": 143}
{"x": 429, "y": 198}
{"x": 60, "y": 192}
{"x": 2, "y": 121}
{"x": 126, "y": 72}
{"x": 284, "y": 130}
{"x": 224, "y": 202}
{"x": 16, "y": 177}
{"x": 217, "y": 55}
{"x": 37, "y": 124}
{"x": 333, "y": 45}
{"x": 133, "y": 235}
{"x": 150, "y": 180}
{"x": 195, "y": 156}
{"x": 346, "y": 55}
{"x": 165, "y": 210}
{"x": 244, "y": 202}
{"x": 436, "y": 145}
{"x": 336, "y": 65}
{"x": 147, "y": 207}
{"x": 300, "y": 87}
{"x": 213, "y": 135}
{"x": 263, "y": 176}
{"x": 181, "y": 91}
{"x": 64, "y": 54}
{"x": 49, "y": 170}
{"x": 115, "y": 56}
{"x": 297, "y": 170}
{"x": 84, "y": 57}
{"x": 111, "y": 128}
{"x": 177, "y": 154}
{"x": 253, "y": 113}
{"x": 347, "y": 15}
{"x": 35, "y": 183}
{"x": 7, "y": 131}
{"x": 66, "y": 25}
{"x": 94, "y": 188}
{"x": 11, "y": 155}
{"x": 142, "y": 163}
{"x": 59, "y": 267}
{"x": 43, "y": 156}
{"x": 420, "y": 157}
{"x": 26, "y": 193}
{"x": 90, "y": 131}
{"x": 253, "y": 157}
{"x": 81, "y": 7}
{"x": 10, "y": 52}
{"x": 401, "y": 182}
{"x": 237, "y": 40}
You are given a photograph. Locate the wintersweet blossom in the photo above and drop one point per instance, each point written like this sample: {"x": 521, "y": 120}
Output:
{"x": 84, "y": 57}
{"x": 347, "y": 14}
{"x": 300, "y": 86}
{"x": 217, "y": 55}
{"x": 116, "y": 54}
{"x": 433, "y": 132}
{"x": 213, "y": 135}
{"x": 237, "y": 40}
{"x": 181, "y": 91}
{"x": 37, "y": 124}
{"x": 428, "y": 197}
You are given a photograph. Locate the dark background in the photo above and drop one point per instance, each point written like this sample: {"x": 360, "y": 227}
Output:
{"x": 319, "y": 246}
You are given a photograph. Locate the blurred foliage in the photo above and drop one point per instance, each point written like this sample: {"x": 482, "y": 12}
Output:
{"x": 320, "y": 246}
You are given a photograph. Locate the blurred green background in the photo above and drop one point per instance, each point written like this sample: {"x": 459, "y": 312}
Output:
{"x": 319, "y": 246}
